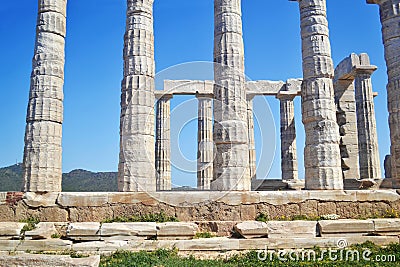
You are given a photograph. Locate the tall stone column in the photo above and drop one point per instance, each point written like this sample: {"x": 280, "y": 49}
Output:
{"x": 321, "y": 152}
{"x": 289, "y": 166}
{"x": 370, "y": 165}
{"x": 252, "y": 145}
{"x": 136, "y": 170}
{"x": 231, "y": 166}
{"x": 347, "y": 120}
{"x": 42, "y": 154}
{"x": 205, "y": 144}
{"x": 163, "y": 143}
{"x": 390, "y": 20}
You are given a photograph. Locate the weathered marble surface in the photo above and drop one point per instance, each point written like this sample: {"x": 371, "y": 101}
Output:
{"x": 49, "y": 260}
{"x": 205, "y": 144}
{"x": 356, "y": 118}
{"x": 163, "y": 143}
{"x": 289, "y": 165}
{"x": 390, "y": 20}
{"x": 347, "y": 118}
{"x": 42, "y": 153}
{"x": 321, "y": 152}
{"x": 231, "y": 165}
{"x": 252, "y": 143}
{"x": 136, "y": 170}
{"x": 196, "y": 206}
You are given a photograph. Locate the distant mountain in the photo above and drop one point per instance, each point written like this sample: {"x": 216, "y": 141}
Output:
{"x": 74, "y": 181}
{"x": 11, "y": 178}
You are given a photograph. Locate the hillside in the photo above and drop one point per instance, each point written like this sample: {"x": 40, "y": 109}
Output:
{"x": 74, "y": 181}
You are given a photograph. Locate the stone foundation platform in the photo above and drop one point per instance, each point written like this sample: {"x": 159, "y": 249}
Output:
{"x": 197, "y": 206}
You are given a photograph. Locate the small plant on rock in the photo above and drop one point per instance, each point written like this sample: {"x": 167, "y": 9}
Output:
{"x": 262, "y": 217}
{"x": 204, "y": 235}
{"x": 30, "y": 225}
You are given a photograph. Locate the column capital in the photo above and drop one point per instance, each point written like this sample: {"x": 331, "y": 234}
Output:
{"x": 285, "y": 95}
{"x": 199, "y": 95}
{"x": 164, "y": 96}
{"x": 357, "y": 70}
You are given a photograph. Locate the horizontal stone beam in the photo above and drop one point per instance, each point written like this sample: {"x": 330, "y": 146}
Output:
{"x": 262, "y": 87}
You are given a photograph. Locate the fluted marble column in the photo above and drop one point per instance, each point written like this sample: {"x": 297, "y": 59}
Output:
{"x": 136, "y": 170}
{"x": 347, "y": 120}
{"x": 42, "y": 154}
{"x": 289, "y": 166}
{"x": 205, "y": 144}
{"x": 321, "y": 153}
{"x": 390, "y": 20}
{"x": 231, "y": 166}
{"x": 370, "y": 165}
{"x": 252, "y": 145}
{"x": 163, "y": 143}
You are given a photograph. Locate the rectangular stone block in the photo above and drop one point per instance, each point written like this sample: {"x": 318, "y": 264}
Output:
{"x": 8, "y": 245}
{"x": 49, "y": 260}
{"x": 83, "y": 229}
{"x": 45, "y": 245}
{"x": 11, "y": 229}
{"x": 208, "y": 244}
{"x": 40, "y": 200}
{"x": 82, "y": 199}
{"x": 283, "y": 229}
{"x": 43, "y": 230}
{"x": 129, "y": 229}
{"x": 345, "y": 227}
{"x": 387, "y": 226}
{"x": 252, "y": 229}
{"x": 176, "y": 229}
{"x": 96, "y": 246}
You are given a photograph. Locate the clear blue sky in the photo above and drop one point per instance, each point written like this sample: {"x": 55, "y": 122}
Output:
{"x": 183, "y": 33}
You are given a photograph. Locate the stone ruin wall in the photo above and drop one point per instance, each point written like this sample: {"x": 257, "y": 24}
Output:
{"x": 197, "y": 206}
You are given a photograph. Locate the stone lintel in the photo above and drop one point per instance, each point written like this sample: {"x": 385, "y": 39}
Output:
{"x": 263, "y": 87}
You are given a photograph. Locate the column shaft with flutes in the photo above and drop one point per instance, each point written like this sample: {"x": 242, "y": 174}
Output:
{"x": 136, "y": 170}
{"x": 370, "y": 165}
{"x": 205, "y": 144}
{"x": 252, "y": 144}
{"x": 42, "y": 168}
{"x": 163, "y": 143}
{"x": 321, "y": 153}
{"x": 289, "y": 165}
{"x": 231, "y": 166}
{"x": 390, "y": 20}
